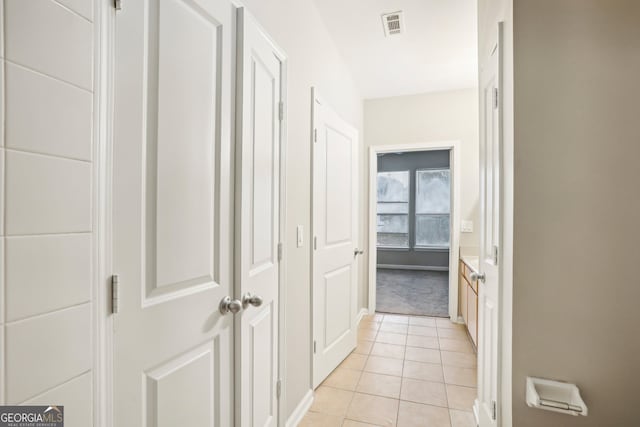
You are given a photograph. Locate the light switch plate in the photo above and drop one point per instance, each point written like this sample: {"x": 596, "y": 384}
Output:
{"x": 299, "y": 236}
{"x": 466, "y": 226}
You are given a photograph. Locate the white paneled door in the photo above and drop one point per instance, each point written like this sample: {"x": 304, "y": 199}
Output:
{"x": 173, "y": 348}
{"x": 258, "y": 223}
{"x": 490, "y": 233}
{"x": 334, "y": 269}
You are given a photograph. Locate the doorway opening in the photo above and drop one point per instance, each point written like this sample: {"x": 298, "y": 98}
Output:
{"x": 413, "y": 211}
{"x": 413, "y": 237}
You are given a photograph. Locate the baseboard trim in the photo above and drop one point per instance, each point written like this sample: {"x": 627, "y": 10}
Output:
{"x": 412, "y": 267}
{"x": 298, "y": 414}
{"x": 363, "y": 312}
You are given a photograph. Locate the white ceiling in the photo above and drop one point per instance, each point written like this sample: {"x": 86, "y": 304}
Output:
{"x": 437, "y": 50}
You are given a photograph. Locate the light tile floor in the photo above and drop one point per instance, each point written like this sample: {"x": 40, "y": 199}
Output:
{"x": 407, "y": 371}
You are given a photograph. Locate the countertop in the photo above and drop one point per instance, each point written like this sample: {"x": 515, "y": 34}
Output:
{"x": 472, "y": 261}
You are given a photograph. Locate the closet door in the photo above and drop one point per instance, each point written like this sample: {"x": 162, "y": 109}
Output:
{"x": 335, "y": 237}
{"x": 257, "y": 224}
{"x": 488, "y": 337}
{"x": 173, "y": 348}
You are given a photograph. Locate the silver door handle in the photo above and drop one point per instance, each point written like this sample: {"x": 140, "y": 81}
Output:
{"x": 250, "y": 299}
{"x": 357, "y": 252}
{"x": 478, "y": 276}
{"x": 227, "y": 305}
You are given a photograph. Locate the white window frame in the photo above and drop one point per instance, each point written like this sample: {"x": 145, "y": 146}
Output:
{"x": 416, "y": 214}
{"x": 407, "y": 215}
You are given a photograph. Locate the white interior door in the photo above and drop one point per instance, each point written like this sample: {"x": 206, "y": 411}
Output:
{"x": 335, "y": 228}
{"x": 490, "y": 197}
{"x": 257, "y": 229}
{"x": 173, "y": 349}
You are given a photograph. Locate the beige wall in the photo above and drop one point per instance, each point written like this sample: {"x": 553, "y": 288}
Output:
{"x": 430, "y": 117}
{"x": 313, "y": 60}
{"x": 577, "y": 205}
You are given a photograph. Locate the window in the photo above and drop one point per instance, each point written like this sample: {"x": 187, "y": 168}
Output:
{"x": 433, "y": 207}
{"x": 393, "y": 209}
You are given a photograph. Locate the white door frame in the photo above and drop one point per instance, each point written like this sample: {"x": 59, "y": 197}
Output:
{"x": 104, "y": 59}
{"x": 282, "y": 291}
{"x": 454, "y": 249}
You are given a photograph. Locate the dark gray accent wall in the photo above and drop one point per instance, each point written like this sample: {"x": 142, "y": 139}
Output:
{"x": 412, "y": 161}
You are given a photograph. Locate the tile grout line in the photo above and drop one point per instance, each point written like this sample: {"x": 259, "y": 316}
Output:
{"x": 42, "y": 73}
{"x": 74, "y": 12}
{"x": 359, "y": 377}
{"x": 367, "y": 357}
{"x": 47, "y": 155}
{"x": 40, "y": 315}
{"x": 446, "y": 389}
{"x": 404, "y": 360}
{"x": 65, "y": 382}
{"x": 52, "y": 234}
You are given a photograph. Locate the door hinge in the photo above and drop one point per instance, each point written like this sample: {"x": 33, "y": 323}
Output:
{"x": 279, "y": 251}
{"x": 495, "y": 98}
{"x": 495, "y": 255}
{"x": 281, "y": 110}
{"x": 494, "y": 410}
{"x": 279, "y": 388}
{"x": 315, "y": 135}
{"x": 117, "y": 4}
{"x": 314, "y": 347}
{"x": 115, "y": 294}
{"x": 315, "y": 243}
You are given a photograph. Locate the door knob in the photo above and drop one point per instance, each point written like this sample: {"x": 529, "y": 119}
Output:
{"x": 357, "y": 251}
{"x": 250, "y": 299}
{"x": 478, "y": 276}
{"x": 227, "y": 305}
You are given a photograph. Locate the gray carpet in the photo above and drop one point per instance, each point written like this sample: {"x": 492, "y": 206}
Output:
{"x": 424, "y": 293}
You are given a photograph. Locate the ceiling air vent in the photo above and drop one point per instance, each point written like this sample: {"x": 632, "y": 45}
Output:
{"x": 392, "y": 23}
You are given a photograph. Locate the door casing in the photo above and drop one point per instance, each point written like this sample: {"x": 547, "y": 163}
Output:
{"x": 454, "y": 249}
{"x": 104, "y": 59}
